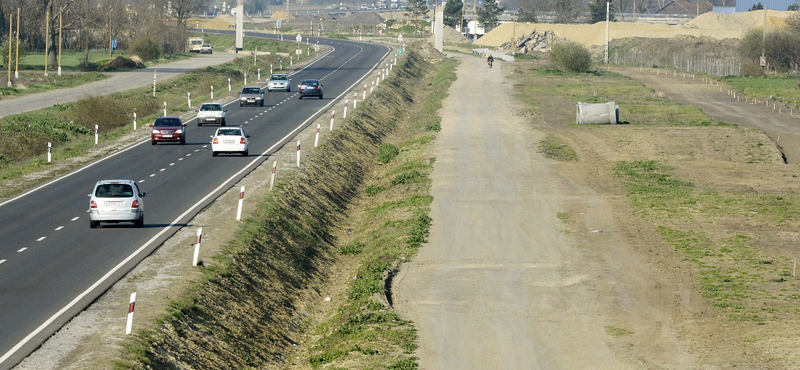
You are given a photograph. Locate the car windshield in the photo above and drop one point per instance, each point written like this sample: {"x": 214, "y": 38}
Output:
{"x": 229, "y": 132}
{"x": 278, "y": 78}
{"x": 251, "y": 90}
{"x": 206, "y": 107}
{"x": 114, "y": 191}
{"x": 167, "y": 122}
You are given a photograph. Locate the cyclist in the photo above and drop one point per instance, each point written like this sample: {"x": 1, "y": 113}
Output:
{"x": 490, "y": 60}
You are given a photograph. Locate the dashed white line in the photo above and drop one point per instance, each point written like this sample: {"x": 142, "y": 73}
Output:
{"x": 75, "y": 218}
{"x": 59, "y": 228}
{"x": 22, "y": 250}
{"x": 141, "y": 181}
{"x": 180, "y": 159}
{"x": 172, "y": 164}
{"x": 162, "y": 170}
{"x": 42, "y": 238}
{"x": 1, "y": 261}
{"x": 153, "y": 175}
{"x": 189, "y": 155}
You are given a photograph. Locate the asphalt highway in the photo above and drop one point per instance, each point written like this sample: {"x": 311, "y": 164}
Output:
{"x": 52, "y": 265}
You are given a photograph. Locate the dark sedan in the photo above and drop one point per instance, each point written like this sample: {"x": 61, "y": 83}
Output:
{"x": 310, "y": 88}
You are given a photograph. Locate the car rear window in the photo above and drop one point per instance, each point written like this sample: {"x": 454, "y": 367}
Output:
{"x": 251, "y": 90}
{"x": 229, "y": 132}
{"x": 114, "y": 191}
{"x": 279, "y": 77}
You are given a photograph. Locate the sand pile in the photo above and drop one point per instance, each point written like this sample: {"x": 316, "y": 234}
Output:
{"x": 450, "y": 36}
{"x": 712, "y": 25}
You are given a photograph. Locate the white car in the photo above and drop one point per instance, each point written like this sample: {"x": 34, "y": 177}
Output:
{"x": 279, "y": 81}
{"x": 116, "y": 201}
{"x": 206, "y": 49}
{"x": 229, "y": 140}
{"x": 211, "y": 113}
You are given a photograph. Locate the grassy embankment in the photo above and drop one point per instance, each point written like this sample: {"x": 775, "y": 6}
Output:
{"x": 716, "y": 193}
{"x": 70, "y": 126}
{"x": 370, "y": 176}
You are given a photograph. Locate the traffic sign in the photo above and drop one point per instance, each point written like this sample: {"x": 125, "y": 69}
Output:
{"x": 299, "y": 38}
{"x": 400, "y": 38}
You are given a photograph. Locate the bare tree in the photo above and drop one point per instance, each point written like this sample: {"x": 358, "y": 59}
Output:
{"x": 566, "y": 10}
{"x": 182, "y": 10}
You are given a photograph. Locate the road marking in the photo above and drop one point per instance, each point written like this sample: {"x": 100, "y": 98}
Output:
{"x": 59, "y": 228}
{"x": 75, "y": 218}
{"x": 141, "y": 181}
{"x": 42, "y": 238}
{"x": 172, "y": 164}
{"x": 189, "y": 155}
{"x": 153, "y": 175}
{"x": 1, "y": 261}
{"x": 162, "y": 170}
{"x": 22, "y": 250}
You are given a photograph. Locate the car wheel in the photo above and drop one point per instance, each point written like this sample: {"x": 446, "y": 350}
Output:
{"x": 320, "y": 96}
{"x": 222, "y": 124}
{"x": 93, "y": 224}
{"x": 199, "y": 124}
{"x": 214, "y": 154}
{"x": 301, "y": 97}
{"x": 139, "y": 222}
{"x": 241, "y": 105}
{"x": 269, "y": 90}
{"x": 183, "y": 140}
{"x": 152, "y": 142}
{"x": 245, "y": 153}
{"x": 262, "y": 103}
{"x": 288, "y": 89}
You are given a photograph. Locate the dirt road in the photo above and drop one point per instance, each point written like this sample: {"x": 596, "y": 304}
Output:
{"x": 525, "y": 267}
{"x": 783, "y": 128}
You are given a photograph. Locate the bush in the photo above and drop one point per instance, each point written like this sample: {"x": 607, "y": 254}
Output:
{"x": 387, "y": 152}
{"x": 571, "y": 56}
{"x": 146, "y": 48}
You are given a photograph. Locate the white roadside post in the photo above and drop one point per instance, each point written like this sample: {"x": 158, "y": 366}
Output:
{"x": 378, "y": 80}
{"x": 165, "y": 109}
{"x": 332, "y": 116}
{"x": 197, "y": 246}
{"x": 270, "y": 69}
{"x": 50, "y": 149}
{"x": 154, "y": 83}
{"x": 291, "y": 60}
{"x": 212, "y": 92}
{"x": 134, "y": 121}
{"x": 364, "y": 96}
{"x": 189, "y": 98}
{"x": 344, "y": 115}
{"x": 259, "y": 74}
{"x": 245, "y": 80}
{"x": 229, "y": 84}
{"x": 131, "y": 305}
{"x": 96, "y": 128}
{"x": 372, "y": 87}
{"x": 241, "y": 202}
{"x": 316, "y": 138}
{"x": 298, "y": 153}
{"x": 272, "y": 177}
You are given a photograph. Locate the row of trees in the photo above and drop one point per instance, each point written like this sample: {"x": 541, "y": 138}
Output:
{"x": 92, "y": 24}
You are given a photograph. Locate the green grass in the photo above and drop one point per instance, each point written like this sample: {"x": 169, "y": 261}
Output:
{"x": 555, "y": 148}
{"x": 781, "y": 88}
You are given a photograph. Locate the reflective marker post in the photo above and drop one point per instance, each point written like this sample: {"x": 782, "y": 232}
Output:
{"x": 96, "y": 128}
{"x": 197, "y": 246}
{"x": 241, "y": 202}
{"x": 50, "y": 149}
{"x": 316, "y": 137}
{"x": 272, "y": 178}
{"x": 131, "y": 305}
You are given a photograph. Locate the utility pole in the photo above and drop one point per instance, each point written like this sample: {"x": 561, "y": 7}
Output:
{"x": 608, "y": 7}
{"x": 16, "y": 65}
{"x": 475, "y": 21}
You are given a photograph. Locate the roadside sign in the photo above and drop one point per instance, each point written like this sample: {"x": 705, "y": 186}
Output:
{"x": 399, "y": 51}
{"x": 299, "y": 38}
{"x": 400, "y": 38}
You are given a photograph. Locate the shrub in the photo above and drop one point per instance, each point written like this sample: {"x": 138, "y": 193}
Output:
{"x": 571, "y": 56}
{"x": 387, "y": 152}
{"x": 146, "y": 48}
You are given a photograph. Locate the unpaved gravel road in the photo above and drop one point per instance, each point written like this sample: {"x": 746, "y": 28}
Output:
{"x": 525, "y": 266}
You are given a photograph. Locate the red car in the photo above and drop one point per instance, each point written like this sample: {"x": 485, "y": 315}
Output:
{"x": 168, "y": 129}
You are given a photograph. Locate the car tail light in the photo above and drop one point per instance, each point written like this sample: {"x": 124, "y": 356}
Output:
{"x": 319, "y": 87}
{"x": 93, "y": 205}
{"x": 215, "y": 141}
{"x": 241, "y": 141}
{"x": 135, "y": 204}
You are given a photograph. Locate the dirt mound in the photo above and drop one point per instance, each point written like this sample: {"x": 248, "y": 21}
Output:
{"x": 123, "y": 63}
{"x": 210, "y": 23}
{"x": 369, "y": 18}
{"x": 451, "y": 36}
{"x": 281, "y": 15}
{"x": 713, "y": 25}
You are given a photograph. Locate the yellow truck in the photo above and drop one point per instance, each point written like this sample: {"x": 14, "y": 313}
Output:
{"x": 195, "y": 44}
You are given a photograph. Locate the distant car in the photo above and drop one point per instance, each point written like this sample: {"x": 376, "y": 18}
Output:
{"x": 169, "y": 129}
{"x": 279, "y": 81}
{"x": 310, "y": 87}
{"x": 230, "y": 140}
{"x": 251, "y": 95}
{"x": 206, "y": 49}
{"x": 211, "y": 113}
{"x": 116, "y": 201}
